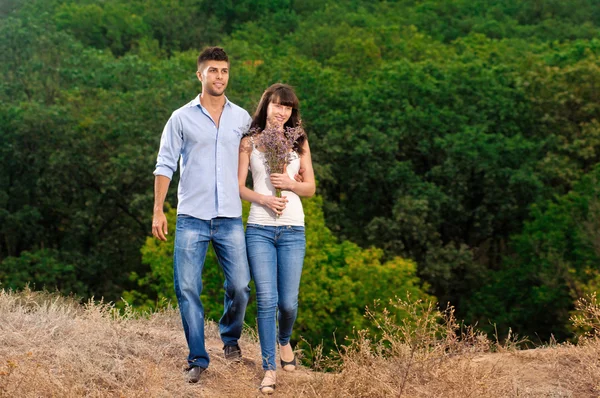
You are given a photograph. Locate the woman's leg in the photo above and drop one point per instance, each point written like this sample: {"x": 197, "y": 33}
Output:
{"x": 291, "y": 247}
{"x": 262, "y": 257}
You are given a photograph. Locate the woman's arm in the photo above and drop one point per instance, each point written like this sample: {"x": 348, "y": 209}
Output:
{"x": 274, "y": 203}
{"x": 306, "y": 187}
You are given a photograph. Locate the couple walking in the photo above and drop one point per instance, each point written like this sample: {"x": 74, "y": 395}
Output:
{"x": 206, "y": 138}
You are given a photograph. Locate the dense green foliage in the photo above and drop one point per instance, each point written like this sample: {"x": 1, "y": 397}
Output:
{"x": 463, "y": 136}
{"x": 556, "y": 264}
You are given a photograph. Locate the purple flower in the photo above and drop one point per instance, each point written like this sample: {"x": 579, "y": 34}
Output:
{"x": 277, "y": 146}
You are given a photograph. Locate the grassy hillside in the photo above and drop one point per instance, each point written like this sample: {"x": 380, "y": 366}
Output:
{"x": 51, "y": 346}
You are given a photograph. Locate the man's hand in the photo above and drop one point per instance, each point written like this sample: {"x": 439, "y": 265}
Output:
{"x": 298, "y": 177}
{"x": 282, "y": 181}
{"x": 159, "y": 225}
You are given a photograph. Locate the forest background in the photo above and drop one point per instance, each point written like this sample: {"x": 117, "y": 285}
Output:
{"x": 456, "y": 146}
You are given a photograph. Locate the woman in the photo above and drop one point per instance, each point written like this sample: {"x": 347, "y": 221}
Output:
{"x": 275, "y": 237}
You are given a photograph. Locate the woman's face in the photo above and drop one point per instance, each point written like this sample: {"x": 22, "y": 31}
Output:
{"x": 277, "y": 114}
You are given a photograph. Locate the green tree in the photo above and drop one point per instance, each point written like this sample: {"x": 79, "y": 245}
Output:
{"x": 42, "y": 269}
{"x": 555, "y": 263}
{"x": 340, "y": 279}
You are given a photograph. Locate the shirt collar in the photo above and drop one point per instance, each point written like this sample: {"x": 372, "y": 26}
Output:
{"x": 196, "y": 101}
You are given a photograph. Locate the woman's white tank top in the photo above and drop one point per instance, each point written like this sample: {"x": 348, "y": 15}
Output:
{"x": 293, "y": 214}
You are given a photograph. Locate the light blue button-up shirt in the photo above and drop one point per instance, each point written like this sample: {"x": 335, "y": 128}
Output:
{"x": 208, "y": 159}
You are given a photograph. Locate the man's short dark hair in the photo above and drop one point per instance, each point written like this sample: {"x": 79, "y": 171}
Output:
{"x": 212, "y": 54}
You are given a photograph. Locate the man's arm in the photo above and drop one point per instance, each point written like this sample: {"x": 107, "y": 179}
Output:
{"x": 166, "y": 164}
{"x": 159, "y": 220}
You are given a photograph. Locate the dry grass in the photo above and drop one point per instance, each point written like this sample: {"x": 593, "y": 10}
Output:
{"x": 50, "y": 346}
{"x": 428, "y": 354}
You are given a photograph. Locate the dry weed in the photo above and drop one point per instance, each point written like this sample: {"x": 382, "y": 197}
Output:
{"x": 586, "y": 319}
{"x": 51, "y": 346}
{"x": 427, "y": 353}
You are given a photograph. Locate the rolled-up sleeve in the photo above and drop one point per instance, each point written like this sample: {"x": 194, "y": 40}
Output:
{"x": 247, "y": 124}
{"x": 170, "y": 148}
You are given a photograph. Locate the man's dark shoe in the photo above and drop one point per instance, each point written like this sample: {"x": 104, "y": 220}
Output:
{"x": 193, "y": 373}
{"x": 232, "y": 352}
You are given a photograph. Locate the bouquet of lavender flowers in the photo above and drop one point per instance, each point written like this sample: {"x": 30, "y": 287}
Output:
{"x": 277, "y": 147}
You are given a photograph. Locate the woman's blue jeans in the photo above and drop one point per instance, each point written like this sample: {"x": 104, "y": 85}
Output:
{"x": 191, "y": 243}
{"x": 275, "y": 255}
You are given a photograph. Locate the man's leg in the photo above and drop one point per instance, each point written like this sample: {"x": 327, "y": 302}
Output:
{"x": 230, "y": 247}
{"x": 191, "y": 243}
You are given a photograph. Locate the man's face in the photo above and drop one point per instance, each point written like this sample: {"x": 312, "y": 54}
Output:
{"x": 214, "y": 76}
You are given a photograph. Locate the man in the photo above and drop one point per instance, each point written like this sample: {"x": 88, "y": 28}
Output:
{"x": 206, "y": 135}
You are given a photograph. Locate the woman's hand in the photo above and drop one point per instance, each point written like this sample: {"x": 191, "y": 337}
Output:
{"x": 282, "y": 181}
{"x": 274, "y": 203}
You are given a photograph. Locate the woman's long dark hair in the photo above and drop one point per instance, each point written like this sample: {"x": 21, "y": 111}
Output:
{"x": 283, "y": 94}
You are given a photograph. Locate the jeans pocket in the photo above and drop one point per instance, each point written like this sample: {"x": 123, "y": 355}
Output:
{"x": 297, "y": 229}
{"x": 182, "y": 220}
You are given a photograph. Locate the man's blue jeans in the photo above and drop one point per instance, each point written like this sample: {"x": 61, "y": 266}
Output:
{"x": 191, "y": 243}
{"x": 276, "y": 255}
